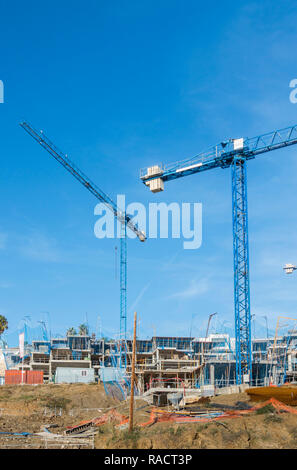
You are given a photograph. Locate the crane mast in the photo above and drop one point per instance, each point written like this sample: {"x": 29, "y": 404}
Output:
{"x": 232, "y": 153}
{"x": 124, "y": 218}
{"x": 243, "y": 345}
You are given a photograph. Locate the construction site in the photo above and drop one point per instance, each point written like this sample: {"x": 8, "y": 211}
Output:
{"x": 130, "y": 120}
{"x": 198, "y": 365}
{"x": 77, "y": 411}
{"x": 75, "y": 392}
{"x": 175, "y": 379}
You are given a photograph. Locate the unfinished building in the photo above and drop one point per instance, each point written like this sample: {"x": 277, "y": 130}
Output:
{"x": 162, "y": 362}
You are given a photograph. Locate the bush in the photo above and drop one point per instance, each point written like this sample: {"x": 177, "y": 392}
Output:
{"x": 132, "y": 437}
{"x": 265, "y": 410}
{"x": 131, "y": 434}
{"x": 272, "y": 419}
{"x": 57, "y": 402}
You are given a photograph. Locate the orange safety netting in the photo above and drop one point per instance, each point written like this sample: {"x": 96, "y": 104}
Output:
{"x": 160, "y": 416}
{"x": 112, "y": 416}
{"x": 163, "y": 416}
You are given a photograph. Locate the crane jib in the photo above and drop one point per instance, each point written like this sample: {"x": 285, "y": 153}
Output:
{"x": 221, "y": 156}
{"x": 82, "y": 178}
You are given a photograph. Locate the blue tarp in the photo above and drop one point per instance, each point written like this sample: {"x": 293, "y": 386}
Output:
{"x": 111, "y": 374}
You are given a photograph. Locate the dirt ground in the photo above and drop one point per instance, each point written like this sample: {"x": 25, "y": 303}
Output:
{"x": 28, "y": 408}
{"x": 31, "y": 408}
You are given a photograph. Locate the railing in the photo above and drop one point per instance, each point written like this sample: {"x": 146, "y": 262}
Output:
{"x": 143, "y": 365}
{"x": 186, "y": 365}
{"x": 70, "y": 358}
{"x": 176, "y": 383}
{"x": 220, "y": 383}
{"x": 40, "y": 360}
{"x": 224, "y": 357}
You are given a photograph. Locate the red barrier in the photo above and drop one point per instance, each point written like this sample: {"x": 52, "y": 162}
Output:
{"x": 30, "y": 377}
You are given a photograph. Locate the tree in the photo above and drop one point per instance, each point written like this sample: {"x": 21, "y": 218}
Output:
{"x": 3, "y": 324}
{"x": 83, "y": 329}
{"x": 71, "y": 331}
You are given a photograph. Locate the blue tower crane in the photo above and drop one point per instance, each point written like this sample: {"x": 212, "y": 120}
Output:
{"x": 233, "y": 153}
{"x": 124, "y": 218}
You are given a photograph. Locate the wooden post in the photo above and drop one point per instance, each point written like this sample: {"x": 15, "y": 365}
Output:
{"x": 133, "y": 376}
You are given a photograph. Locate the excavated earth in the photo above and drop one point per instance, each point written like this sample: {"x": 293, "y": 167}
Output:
{"x": 29, "y": 409}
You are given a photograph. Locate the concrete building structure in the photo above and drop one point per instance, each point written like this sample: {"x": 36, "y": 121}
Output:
{"x": 166, "y": 362}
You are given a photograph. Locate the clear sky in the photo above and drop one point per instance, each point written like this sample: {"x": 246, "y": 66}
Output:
{"x": 118, "y": 86}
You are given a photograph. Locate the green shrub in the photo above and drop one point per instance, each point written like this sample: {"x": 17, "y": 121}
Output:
{"x": 134, "y": 434}
{"x": 272, "y": 419}
{"x": 265, "y": 410}
{"x": 57, "y": 402}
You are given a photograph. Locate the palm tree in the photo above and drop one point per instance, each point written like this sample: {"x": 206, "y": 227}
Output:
{"x": 71, "y": 331}
{"x": 3, "y": 324}
{"x": 83, "y": 329}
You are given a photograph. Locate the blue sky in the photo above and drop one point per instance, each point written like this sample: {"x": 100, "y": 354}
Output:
{"x": 119, "y": 86}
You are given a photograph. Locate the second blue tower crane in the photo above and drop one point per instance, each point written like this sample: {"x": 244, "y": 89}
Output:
{"x": 124, "y": 218}
{"x": 233, "y": 153}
